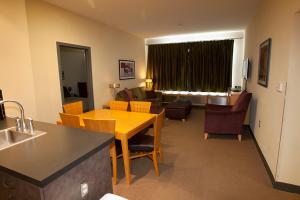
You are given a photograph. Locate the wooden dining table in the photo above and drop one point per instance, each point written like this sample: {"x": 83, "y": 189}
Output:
{"x": 127, "y": 125}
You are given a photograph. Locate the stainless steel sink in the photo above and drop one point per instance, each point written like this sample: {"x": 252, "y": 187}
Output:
{"x": 10, "y": 137}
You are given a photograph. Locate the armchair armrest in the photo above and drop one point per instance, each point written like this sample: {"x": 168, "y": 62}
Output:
{"x": 213, "y": 107}
{"x": 158, "y": 94}
{"x": 153, "y": 94}
{"x": 223, "y": 112}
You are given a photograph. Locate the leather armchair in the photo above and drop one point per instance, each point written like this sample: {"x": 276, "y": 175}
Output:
{"x": 227, "y": 119}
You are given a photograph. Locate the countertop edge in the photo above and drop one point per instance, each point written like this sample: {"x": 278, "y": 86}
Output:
{"x": 60, "y": 172}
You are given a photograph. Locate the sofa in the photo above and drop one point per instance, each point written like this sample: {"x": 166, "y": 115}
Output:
{"x": 139, "y": 94}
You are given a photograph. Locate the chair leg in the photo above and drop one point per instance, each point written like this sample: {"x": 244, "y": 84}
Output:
{"x": 113, "y": 153}
{"x": 155, "y": 163}
{"x": 161, "y": 155}
{"x": 240, "y": 137}
{"x": 205, "y": 136}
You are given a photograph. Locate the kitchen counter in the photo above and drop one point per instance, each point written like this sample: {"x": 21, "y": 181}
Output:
{"x": 43, "y": 159}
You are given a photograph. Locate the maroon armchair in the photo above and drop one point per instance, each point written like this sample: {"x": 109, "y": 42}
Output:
{"x": 227, "y": 119}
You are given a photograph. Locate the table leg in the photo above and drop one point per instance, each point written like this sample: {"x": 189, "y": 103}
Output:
{"x": 156, "y": 146}
{"x": 126, "y": 158}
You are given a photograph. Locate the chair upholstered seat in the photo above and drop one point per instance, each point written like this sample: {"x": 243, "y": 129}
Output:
{"x": 141, "y": 143}
{"x": 118, "y": 147}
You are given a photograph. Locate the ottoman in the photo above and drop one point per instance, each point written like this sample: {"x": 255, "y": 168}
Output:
{"x": 179, "y": 109}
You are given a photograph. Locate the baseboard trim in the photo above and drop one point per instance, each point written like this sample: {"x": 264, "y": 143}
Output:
{"x": 277, "y": 185}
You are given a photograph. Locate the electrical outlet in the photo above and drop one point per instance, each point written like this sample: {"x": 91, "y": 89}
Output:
{"x": 259, "y": 124}
{"x": 84, "y": 190}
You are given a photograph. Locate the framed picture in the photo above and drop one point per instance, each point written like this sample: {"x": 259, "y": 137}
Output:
{"x": 264, "y": 62}
{"x": 126, "y": 69}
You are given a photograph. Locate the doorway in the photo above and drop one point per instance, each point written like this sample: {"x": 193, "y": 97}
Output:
{"x": 75, "y": 72}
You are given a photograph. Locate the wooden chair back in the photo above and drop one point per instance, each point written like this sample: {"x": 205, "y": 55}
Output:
{"x": 75, "y": 108}
{"x": 103, "y": 125}
{"x": 118, "y": 105}
{"x": 157, "y": 134}
{"x": 70, "y": 120}
{"x": 140, "y": 106}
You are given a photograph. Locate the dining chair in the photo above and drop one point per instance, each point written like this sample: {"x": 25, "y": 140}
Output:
{"x": 75, "y": 108}
{"x": 148, "y": 145}
{"x": 70, "y": 120}
{"x": 118, "y": 105}
{"x": 140, "y": 106}
{"x": 106, "y": 126}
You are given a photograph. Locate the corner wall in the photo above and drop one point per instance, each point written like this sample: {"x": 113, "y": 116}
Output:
{"x": 289, "y": 159}
{"x": 28, "y": 58}
{"x": 48, "y": 24}
{"x": 16, "y": 78}
{"x": 274, "y": 19}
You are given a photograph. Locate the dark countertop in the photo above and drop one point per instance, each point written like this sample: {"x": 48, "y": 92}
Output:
{"x": 43, "y": 159}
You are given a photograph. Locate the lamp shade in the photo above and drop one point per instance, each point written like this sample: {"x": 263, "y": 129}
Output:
{"x": 114, "y": 85}
{"x": 148, "y": 80}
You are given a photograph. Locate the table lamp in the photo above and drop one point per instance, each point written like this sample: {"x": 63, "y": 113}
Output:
{"x": 148, "y": 82}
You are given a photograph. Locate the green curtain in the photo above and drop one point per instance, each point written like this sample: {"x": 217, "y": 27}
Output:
{"x": 196, "y": 66}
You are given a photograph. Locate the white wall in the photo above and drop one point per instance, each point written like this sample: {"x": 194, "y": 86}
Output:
{"x": 238, "y": 49}
{"x": 29, "y": 66}
{"x": 16, "y": 78}
{"x": 49, "y": 24}
{"x": 237, "y": 62}
{"x": 274, "y": 19}
{"x": 289, "y": 159}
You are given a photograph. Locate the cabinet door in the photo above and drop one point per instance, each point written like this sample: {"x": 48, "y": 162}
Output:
{"x": 12, "y": 188}
{"x": 95, "y": 171}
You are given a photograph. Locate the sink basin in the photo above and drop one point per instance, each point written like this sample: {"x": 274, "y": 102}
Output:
{"x": 10, "y": 137}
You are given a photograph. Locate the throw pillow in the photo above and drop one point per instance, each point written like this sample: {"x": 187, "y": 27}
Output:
{"x": 137, "y": 93}
{"x": 128, "y": 96}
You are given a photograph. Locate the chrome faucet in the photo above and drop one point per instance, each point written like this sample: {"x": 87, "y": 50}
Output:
{"x": 21, "y": 124}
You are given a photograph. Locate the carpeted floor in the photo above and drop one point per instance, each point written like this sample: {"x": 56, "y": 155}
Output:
{"x": 220, "y": 168}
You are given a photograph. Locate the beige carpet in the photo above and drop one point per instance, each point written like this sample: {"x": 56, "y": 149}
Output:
{"x": 216, "y": 169}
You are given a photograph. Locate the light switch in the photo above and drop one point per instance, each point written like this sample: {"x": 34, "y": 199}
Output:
{"x": 279, "y": 87}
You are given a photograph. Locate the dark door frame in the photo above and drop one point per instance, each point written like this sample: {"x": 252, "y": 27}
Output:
{"x": 89, "y": 67}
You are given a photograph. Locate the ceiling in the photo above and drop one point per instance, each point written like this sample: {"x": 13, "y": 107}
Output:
{"x": 153, "y": 18}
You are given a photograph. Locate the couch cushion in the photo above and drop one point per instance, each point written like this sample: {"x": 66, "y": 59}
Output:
{"x": 128, "y": 94}
{"x": 151, "y": 94}
{"x": 139, "y": 93}
{"x": 143, "y": 92}
{"x": 121, "y": 95}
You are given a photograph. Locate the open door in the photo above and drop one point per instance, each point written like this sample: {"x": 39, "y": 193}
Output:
{"x": 75, "y": 72}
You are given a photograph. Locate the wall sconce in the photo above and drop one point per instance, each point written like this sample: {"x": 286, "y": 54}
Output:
{"x": 148, "y": 82}
{"x": 114, "y": 87}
